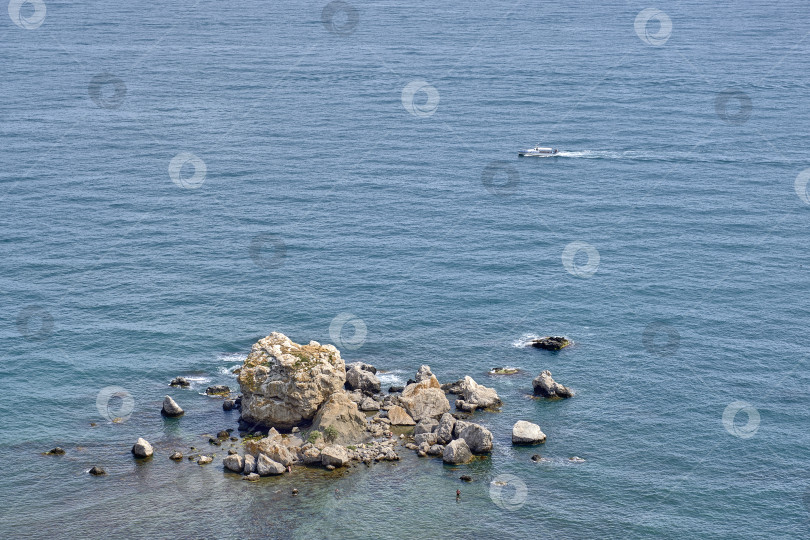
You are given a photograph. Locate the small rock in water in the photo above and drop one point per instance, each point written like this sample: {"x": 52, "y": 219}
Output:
{"x": 176, "y": 456}
{"x": 171, "y": 408}
{"x": 218, "y": 390}
{"x": 93, "y": 424}
{"x": 544, "y": 385}
{"x": 550, "y": 343}
{"x": 223, "y": 434}
{"x": 214, "y": 441}
{"x": 228, "y": 405}
{"x": 97, "y": 471}
{"x": 330, "y": 467}
{"x": 294, "y": 492}
{"x": 58, "y": 451}
{"x": 295, "y": 430}
{"x": 536, "y": 458}
{"x": 205, "y": 460}
{"x": 180, "y": 381}
{"x": 576, "y": 459}
{"x": 231, "y": 452}
{"x": 527, "y": 433}
{"x": 142, "y": 449}
{"x": 466, "y": 477}
{"x": 252, "y": 477}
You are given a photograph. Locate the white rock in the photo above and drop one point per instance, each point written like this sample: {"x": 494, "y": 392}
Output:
{"x": 524, "y": 432}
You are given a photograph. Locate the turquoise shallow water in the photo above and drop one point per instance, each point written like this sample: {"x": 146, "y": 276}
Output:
{"x": 324, "y": 195}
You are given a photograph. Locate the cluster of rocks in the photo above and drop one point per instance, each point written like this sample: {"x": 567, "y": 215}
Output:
{"x": 287, "y": 387}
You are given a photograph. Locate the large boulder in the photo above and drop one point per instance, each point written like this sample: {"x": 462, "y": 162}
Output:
{"x": 545, "y": 386}
{"x": 234, "y": 462}
{"x": 426, "y": 426}
{"x": 399, "y": 416}
{"x": 358, "y": 378}
{"x": 457, "y": 452}
{"x": 478, "y": 438}
{"x": 171, "y": 408}
{"x": 340, "y": 421}
{"x": 267, "y": 467}
{"x": 475, "y": 395}
{"x": 444, "y": 431}
{"x": 424, "y": 399}
{"x": 524, "y": 432}
{"x": 142, "y": 449}
{"x": 283, "y": 383}
{"x": 334, "y": 455}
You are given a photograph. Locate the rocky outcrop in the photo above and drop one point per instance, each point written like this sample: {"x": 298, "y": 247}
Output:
{"x": 399, "y": 416}
{"x": 550, "y": 343}
{"x": 335, "y": 456}
{"x": 267, "y": 467}
{"x": 283, "y": 383}
{"x": 424, "y": 399}
{"x": 234, "y": 463}
{"x": 171, "y": 408}
{"x": 457, "y": 452}
{"x": 545, "y": 386}
{"x": 423, "y": 373}
{"x": 478, "y": 438}
{"x": 142, "y": 449}
{"x": 476, "y": 396}
{"x": 180, "y": 381}
{"x": 444, "y": 431}
{"x": 363, "y": 380}
{"x": 340, "y": 421}
{"x": 524, "y": 432}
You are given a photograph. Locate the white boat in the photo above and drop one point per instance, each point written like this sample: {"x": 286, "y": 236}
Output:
{"x": 538, "y": 151}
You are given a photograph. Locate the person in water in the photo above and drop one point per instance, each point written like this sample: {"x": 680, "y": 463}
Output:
{"x": 458, "y": 494}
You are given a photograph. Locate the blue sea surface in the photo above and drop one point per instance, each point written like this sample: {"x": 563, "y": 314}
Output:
{"x": 181, "y": 179}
